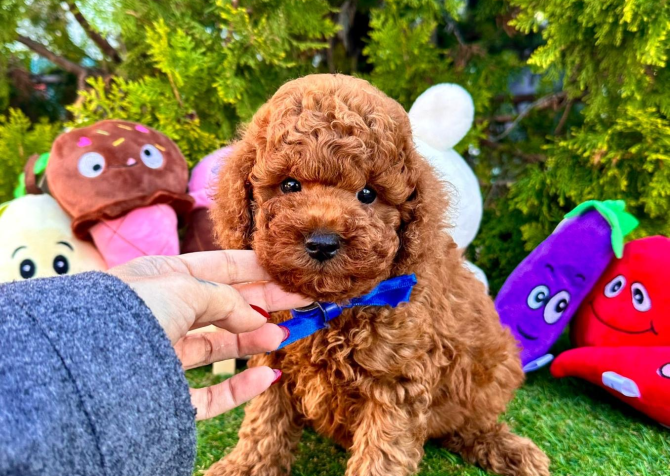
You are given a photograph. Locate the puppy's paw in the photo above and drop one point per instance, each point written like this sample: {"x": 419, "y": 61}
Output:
{"x": 230, "y": 467}
{"x": 223, "y": 469}
{"x": 518, "y": 456}
{"x": 500, "y": 451}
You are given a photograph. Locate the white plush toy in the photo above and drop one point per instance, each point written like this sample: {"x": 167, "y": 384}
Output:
{"x": 440, "y": 118}
{"x": 36, "y": 241}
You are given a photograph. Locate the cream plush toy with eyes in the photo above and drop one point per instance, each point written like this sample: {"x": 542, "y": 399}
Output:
{"x": 36, "y": 241}
{"x": 440, "y": 118}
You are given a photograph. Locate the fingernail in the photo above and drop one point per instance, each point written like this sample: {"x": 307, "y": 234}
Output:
{"x": 260, "y": 311}
{"x": 278, "y": 374}
{"x": 287, "y": 333}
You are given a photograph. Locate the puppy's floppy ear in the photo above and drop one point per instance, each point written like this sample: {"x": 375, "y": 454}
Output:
{"x": 422, "y": 215}
{"x": 232, "y": 213}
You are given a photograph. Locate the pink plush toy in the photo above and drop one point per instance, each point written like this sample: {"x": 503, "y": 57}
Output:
{"x": 200, "y": 229}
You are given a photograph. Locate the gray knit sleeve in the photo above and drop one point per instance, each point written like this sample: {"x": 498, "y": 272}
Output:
{"x": 89, "y": 383}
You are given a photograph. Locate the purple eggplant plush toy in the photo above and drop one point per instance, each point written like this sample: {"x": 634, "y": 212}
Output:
{"x": 542, "y": 294}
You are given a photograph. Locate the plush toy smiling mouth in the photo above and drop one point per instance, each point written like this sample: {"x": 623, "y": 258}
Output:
{"x": 129, "y": 163}
{"x": 625, "y": 331}
{"x": 524, "y": 334}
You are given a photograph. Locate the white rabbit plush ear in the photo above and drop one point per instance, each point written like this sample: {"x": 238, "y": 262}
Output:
{"x": 442, "y": 115}
{"x": 465, "y": 198}
{"x": 477, "y": 271}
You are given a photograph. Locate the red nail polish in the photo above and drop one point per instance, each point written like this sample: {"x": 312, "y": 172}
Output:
{"x": 287, "y": 333}
{"x": 260, "y": 311}
{"x": 278, "y": 374}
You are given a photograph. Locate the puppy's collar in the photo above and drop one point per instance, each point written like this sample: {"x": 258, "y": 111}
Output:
{"x": 307, "y": 320}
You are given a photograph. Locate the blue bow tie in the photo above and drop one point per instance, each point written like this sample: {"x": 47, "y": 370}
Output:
{"x": 307, "y": 320}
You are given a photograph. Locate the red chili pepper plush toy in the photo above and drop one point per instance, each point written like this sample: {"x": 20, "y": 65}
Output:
{"x": 622, "y": 330}
{"x": 639, "y": 376}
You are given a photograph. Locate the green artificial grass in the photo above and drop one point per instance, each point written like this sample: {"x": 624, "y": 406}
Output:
{"x": 584, "y": 430}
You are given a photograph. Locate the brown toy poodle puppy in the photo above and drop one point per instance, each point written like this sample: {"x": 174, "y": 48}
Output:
{"x": 327, "y": 188}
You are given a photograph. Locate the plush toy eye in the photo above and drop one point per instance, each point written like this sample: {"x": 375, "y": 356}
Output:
{"x": 614, "y": 287}
{"x": 556, "y": 307}
{"x": 641, "y": 300}
{"x": 151, "y": 156}
{"x": 367, "y": 195}
{"x": 290, "y": 185}
{"x": 27, "y": 268}
{"x": 91, "y": 164}
{"x": 537, "y": 297}
{"x": 664, "y": 371}
{"x": 61, "y": 265}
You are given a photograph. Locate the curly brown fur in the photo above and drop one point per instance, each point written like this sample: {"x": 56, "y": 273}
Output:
{"x": 378, "y": 381}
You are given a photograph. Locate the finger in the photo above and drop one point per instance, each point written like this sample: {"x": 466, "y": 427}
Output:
{"x": 270, "y": 296}
{"x": 223, "y": 306}
{"x": 217, "y": 399}
{"x": 196, "y": 350}
{"x": 179, "y": 301}
{"x": 227, "y": 266}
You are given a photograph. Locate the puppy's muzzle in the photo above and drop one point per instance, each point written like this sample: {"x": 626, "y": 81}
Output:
{"x": 322, "y": 246}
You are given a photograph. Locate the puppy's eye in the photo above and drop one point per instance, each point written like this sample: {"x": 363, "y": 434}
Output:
{"x": 367, "y": 195}
{"x": 290, "y": 185}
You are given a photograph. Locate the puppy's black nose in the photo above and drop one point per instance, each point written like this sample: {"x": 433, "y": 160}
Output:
{"x": 322, "y": 246}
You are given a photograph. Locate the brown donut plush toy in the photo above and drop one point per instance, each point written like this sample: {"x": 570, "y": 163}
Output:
{"x": 123, "y": 184}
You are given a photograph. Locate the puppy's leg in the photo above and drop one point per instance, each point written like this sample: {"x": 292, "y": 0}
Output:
{"x": 388, "y": 441}
{"x": 268, "y": 437}
{"x": 498, "y": 450}
{"x": 469, "y": 425}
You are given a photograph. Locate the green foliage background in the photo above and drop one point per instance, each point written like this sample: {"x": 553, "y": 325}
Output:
{"x": 595, "y": 124}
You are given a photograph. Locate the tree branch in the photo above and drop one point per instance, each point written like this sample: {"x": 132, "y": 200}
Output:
{"x": 330, "y": 57}
{"x": 175, "y": 90}
{"x": 542, "y": 103}
{"x": 528, "y": 158}
{"x": 452, "y": 27}
{"x": 96, "y": 37}
{"x": 515, "y": 99}
{"x": 63, "y": 63}
{"x": 564, "y": 118}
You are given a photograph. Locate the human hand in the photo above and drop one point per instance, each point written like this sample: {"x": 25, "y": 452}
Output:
{"x": 194, "y": 290}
